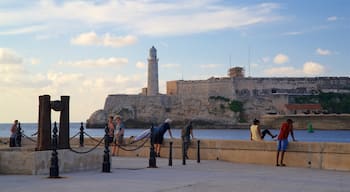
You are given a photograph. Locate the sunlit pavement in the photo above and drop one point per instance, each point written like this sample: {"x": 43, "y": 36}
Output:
{"x": 132, "y": 174}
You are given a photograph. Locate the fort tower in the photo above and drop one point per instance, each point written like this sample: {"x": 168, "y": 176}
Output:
{"x": 152, "y": 84}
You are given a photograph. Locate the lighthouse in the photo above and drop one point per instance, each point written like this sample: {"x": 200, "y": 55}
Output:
{"x": 152, "y": 84}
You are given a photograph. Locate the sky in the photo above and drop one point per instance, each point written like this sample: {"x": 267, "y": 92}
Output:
{"x": 90, "y": 49}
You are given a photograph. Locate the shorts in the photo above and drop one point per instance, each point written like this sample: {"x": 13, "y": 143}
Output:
{"x": 282, "y": 145}
{"x": 120, "y": 139}
{"x": 110, "y": 139}
{"x": 158, "y": 139}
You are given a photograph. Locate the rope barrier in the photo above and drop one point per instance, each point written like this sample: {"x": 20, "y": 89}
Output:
{"x": 88, "y": 151}
{"x": 138, "y": 147}
{"x": 26, "y": 136}
{"x": 74, "y": 136}
{"x": 91, "y": 137}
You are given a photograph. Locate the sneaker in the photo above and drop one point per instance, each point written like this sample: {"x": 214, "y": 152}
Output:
{"x": 274, "y": 136}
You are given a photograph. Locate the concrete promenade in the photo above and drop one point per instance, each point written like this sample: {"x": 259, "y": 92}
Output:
{"x": 131, "y": 174}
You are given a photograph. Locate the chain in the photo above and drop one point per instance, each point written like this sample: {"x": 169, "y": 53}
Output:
{"x": 88, "y": 151}
{"x": 134, "y": 149}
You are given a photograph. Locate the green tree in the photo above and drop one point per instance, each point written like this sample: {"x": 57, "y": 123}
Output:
{"x": 236, "y": 106}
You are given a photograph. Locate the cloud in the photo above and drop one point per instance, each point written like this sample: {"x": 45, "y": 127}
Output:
{"x": 11, "y": 67}
{"x": 309, "y": 69}
{"x": 332, "y": 18}
{"x": 280, "y": 59}
{"x": 34, "y": 61}
{"x": 209, "y": 66}
{"x": 313, "y": 68}
{"x": 265, "y": 59}
{"x": 23, "y": 30}
{"x": 8, "y": 57}
{"x": 102, "y": 62}
{"x": 320, "y": 51}
{"x": 107, "y": 40}
{"x": 164, "y": 17}
{"x": 283, "y": 71}
{"x": 170, "y": 65}
{"x": 294, "y": 33}
{"x": 141, "y": 65}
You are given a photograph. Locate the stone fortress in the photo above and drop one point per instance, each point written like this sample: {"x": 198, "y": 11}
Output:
{"x": 206, "y": 102}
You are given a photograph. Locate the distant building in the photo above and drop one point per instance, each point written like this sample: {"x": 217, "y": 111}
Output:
{"x": 236, "y": 72}
{"x": 152, "y": 83}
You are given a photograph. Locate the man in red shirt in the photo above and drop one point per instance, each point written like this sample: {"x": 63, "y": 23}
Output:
{"x": 286, "y": 128}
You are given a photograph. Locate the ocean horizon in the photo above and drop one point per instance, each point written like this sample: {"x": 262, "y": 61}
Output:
{"x": 342, "y": 136}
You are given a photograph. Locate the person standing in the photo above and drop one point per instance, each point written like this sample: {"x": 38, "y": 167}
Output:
{"x": 111, "y": 128}
{"x": 159, "y": 135}
{"x": 186, "y": 134}
{"x": 256, "y": 134}
{"x": 13, "y": 134}
{"x": 119, "y": 136}
{"x": 286, "y": 128}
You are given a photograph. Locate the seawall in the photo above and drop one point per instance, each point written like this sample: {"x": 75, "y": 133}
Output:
{"x": 330, "y": 156}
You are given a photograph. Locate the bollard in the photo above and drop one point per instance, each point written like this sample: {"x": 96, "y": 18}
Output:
{"x": 183, "y": 152}
{"x": 81, "y": 139}
{"x": 106, "y": 165}
{"x": 198, "y": 152}
{"x": 171, "y": 154}
{"x": 19, "y": 136}
{"x": 152, "y": 163}
{"x": 54, "y": 169}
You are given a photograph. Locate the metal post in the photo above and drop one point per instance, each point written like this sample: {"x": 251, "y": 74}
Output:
{"x": 183, "y": 152}
{"x": 152, "y": 163}
{"x": 198, "y": 152}
{"x": 19, "y": 136}
{"x": 171, "y": 154}
{"x": 106, "y": 166}
{"x": 63, "y": 136}
{"x": 54, "y": 169}
{"x": 44, "y": 124}
{"x": 81, "y": 139}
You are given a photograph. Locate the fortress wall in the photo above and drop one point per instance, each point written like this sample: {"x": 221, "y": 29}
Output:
{"x": 191, "y": 89}
{"x": 205, "y": 88}
{"x": 171, "y": 87}
{"x": 268, "y": 86}
{"x": 334, "y": 84}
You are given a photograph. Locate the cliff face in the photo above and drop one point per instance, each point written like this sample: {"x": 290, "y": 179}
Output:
{"x": 139, "y": 111}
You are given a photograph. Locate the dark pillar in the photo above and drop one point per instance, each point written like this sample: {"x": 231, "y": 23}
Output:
{"x": 171, "y": 154}
{"x": 183, "y": 152}
{"x": 64, "y": 124}
{"x": 19, "y": 136}
{"x": 44, "y": 123}
{"x": 198, "y": 152}
{"x": 106, "y": 165}
{"x": 152, "y": 163}
{"x": 81, "y": 138}
{"x": 54, "y": 169}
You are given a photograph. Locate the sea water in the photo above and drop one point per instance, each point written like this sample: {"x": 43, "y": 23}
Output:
{"x": 221, "y": 134}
